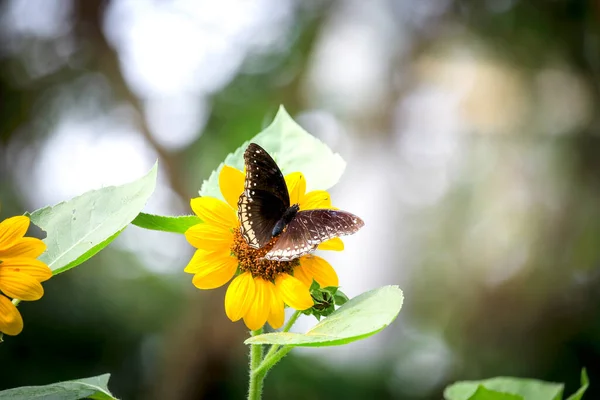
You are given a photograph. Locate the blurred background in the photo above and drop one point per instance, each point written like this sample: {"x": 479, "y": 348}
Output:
{"x": 470, "y": 129}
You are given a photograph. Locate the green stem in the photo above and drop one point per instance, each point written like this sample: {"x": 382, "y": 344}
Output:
{"x": 270, "y": 361}
{"x": 259, "y": 366}
{"x": 286, "y": 328}
{"x": 256, "y": 382}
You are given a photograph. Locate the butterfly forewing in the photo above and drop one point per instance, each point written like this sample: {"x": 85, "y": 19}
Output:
{"x": 262, "y": 173}
{"x": 265, "y": 197}
{"x": 309, "y": 229}
{"x": 258, "y": 215}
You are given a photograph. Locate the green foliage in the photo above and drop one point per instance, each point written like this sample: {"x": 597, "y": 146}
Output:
{"x": 507, "y": 388}
{"x": 359, "y": 318}
{"x": 178, "y": 224}
{"x": 95, "y": 388}
{"x": 585, "y": 383}
{"x": 79, "y": 228}
{"x": 293, "y": 149}
{"x": 485, "y": 394}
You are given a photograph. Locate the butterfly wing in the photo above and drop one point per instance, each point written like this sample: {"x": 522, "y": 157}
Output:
{"x": 262, "y": 173}
{"x": 309, "y": 229}
{"x": 265, "y": 197}
{"x": 258, "y": 214}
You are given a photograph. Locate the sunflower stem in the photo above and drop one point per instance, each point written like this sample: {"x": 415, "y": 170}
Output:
{"x": 270, "y": 361}
{"x": 256, "y": 381}
{"x": 291, "y": 321}
{"x": 259, "y": 366}
{"x": 287, "y": 327}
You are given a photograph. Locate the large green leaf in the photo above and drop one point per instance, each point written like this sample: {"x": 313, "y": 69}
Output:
{"x": 485, "y": 394}
{"x": 293, "y": 149}
{"x": 81, "y": 227}
{"x": 527, "y": 389}
{"x": 88, "y": 388}
{"x": 359, "y": 318}
{"x": 585, "y": 383}
{"x": 178, "y": 224}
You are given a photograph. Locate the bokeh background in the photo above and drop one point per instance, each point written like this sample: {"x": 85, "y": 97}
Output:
{"x": 470, "y": 128}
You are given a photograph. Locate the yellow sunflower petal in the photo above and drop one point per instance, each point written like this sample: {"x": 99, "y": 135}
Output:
{"x": 320, "y": 270}
{"x": 209, "y": 237}
{"x": 316, "y": 199}
{"x": 231, "y": 182}
{"x": 11, "y": 230}
{"x": 293, "y": 292}
{"x": 24, "y": 247}
{"x": 335, "y": 244}
{"x": 203, "y": 258}
{"x": 30, "y": 266}
{"x": 19, "y": 285}
{"x": 277, "y": 314}
{"x": 303, "y": 275}
{"x": 259, "y": 311}
{"x": 213, "y": 270}
{"x": 240, "y": 296}
{"x": 296, "y": 185}
{"x": 214, "y": 212}
{"x": 11, "y": 322}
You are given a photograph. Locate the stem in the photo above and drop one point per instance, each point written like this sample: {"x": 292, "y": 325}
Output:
{"x": 259, "y": 366}
{"x": 270, "y": 361}
{"x": 256, "y": 382}
{"x": 286, "y": 328}
{"x": 291, "y": 321}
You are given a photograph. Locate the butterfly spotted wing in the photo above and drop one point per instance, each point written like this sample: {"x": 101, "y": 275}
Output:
{"x": 265, "y": 204}
{"x": 265, "y": 198}
{"x": 310, "y": 228}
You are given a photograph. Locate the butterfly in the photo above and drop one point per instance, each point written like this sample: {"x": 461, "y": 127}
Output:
{"x": 265, "y": 212}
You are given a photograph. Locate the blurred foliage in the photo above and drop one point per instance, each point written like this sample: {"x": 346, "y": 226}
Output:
{"x": 160, "y": 338}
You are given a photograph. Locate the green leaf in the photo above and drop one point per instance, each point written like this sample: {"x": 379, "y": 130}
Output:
{"x": 485, "y": 394}
{"x": 178, "y": 224}
{"x": 528, "y": 389}
{"x": 91, "y": 388}
{"x": 293, "y": 149}
{"x": 359, "y": 318}
{"x": 585, "y": 383}
{"x": 79, "y": 228}
{"x": 314, "y": 286}
{"x": 340, "y": 298}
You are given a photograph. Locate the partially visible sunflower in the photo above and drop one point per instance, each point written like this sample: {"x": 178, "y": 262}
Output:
{"x": 21, "y": 273}
{"x": 262, "y": 287}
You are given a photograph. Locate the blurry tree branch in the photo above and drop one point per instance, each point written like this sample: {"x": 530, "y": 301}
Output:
{"x": 89, "y": 18}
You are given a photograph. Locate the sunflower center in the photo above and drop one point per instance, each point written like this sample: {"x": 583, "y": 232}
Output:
{"x": 253, "y": 261}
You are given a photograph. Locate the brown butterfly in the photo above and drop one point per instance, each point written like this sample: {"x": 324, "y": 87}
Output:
{"x": 264, "y": 211}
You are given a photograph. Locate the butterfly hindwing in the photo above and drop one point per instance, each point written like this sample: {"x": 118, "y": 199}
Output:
{"x": 265, "y": 198}
{"x": 309, "y": 229}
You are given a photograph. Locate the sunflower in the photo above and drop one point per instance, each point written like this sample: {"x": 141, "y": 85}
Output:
{"x": 20, "y": 271}
{"x": 258, "y": 293}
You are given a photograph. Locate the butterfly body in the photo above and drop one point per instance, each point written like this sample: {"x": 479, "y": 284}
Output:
{"x": 288, "y": 216}
{"x": 265, "y": 212}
